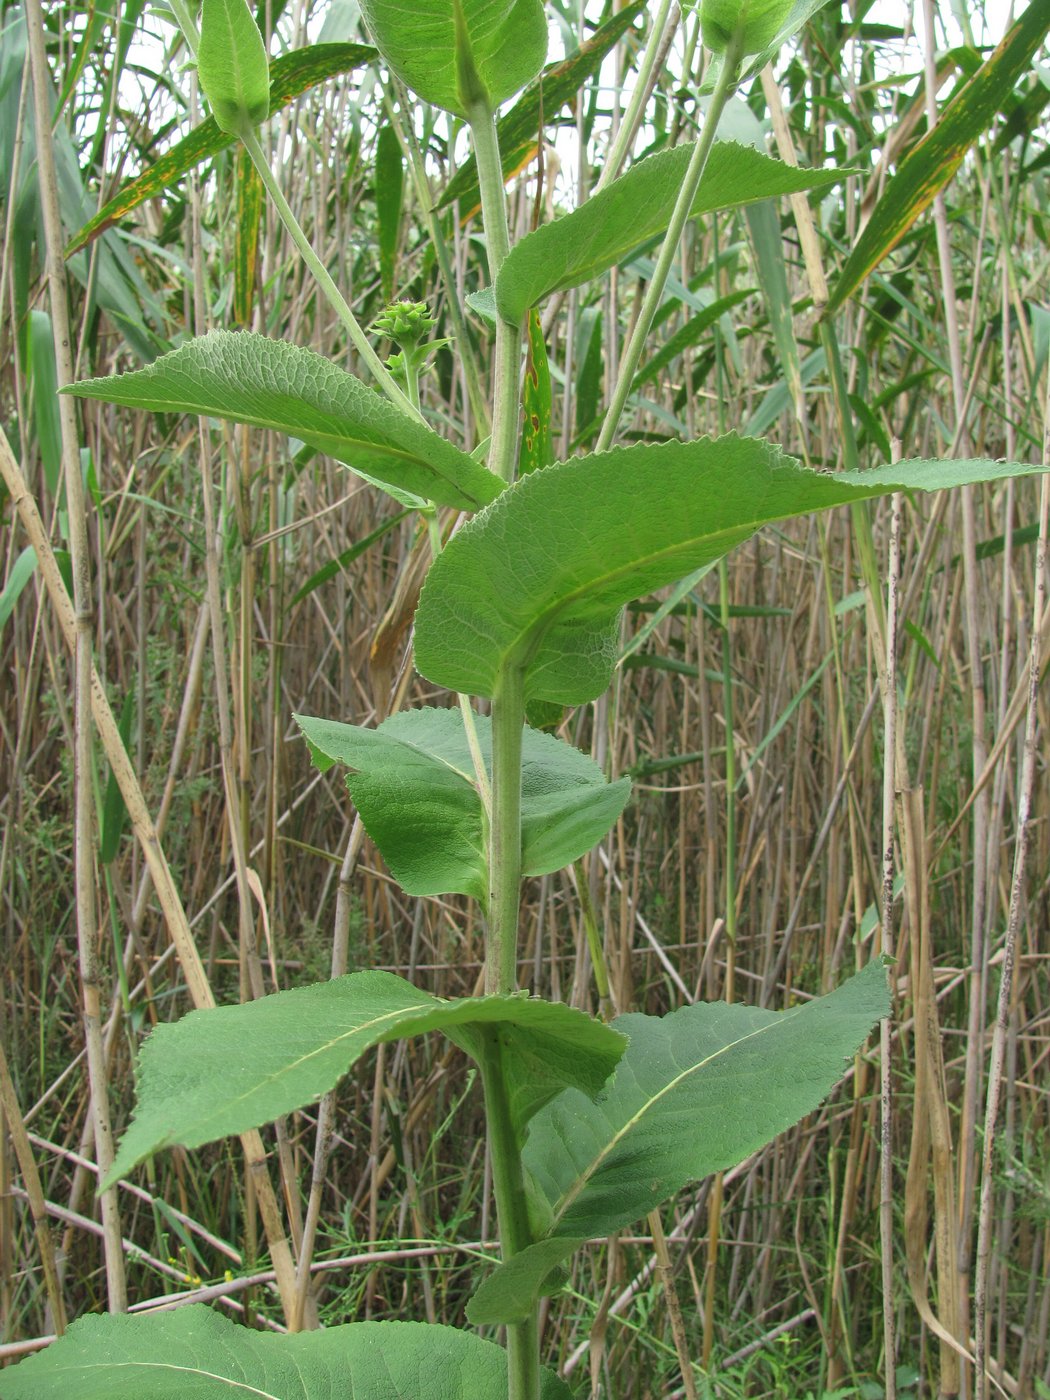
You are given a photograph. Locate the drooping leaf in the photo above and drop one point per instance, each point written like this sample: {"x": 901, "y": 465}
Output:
{"x": 455, "y": 53}
{"x": 232, "y": 66}
{"x": 696, "y": 1092}
{"x": 196, "y": 1354}
{"x": 518, "y": 130}
{"x": 290, "y": 75}
{"x": 633, "y": 209}
{"x": 413, "y": 783}
{"x": 224, "y": 1070}
{"x": 271, "y": 384}
{"x": 934, "y": 160}
{"x": 389, "y": 178}
{"x": 537, "y": 446}
{"x": 538, "y": 579}
{"x": 510, "y": 1291}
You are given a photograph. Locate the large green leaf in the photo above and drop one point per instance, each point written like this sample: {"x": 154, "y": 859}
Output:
{"x": 290, "y": 75}
{"x": 696, "y": 1092}
{"x": 414, "y": 785}
{"x": 518, "y": 130}
{"x": 195, "y": 1354}
{"x": 537, "y": 580}
{"x": 932, "y": 163}
{"x": 232, "y": 66}
{"x": 271, "y": 384}
{"x": 455, "y": 53}
{"x": 633, "y": 209}
{"x": 227, "y": 1069}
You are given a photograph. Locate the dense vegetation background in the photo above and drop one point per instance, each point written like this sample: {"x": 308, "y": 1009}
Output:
{"x": 749, "y": 862}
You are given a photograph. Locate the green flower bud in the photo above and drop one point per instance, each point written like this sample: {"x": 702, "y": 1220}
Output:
{"x": 755, "y": 22}
{"x": 405, "y": 322}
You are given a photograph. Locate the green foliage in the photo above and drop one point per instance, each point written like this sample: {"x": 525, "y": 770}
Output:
{"x": 634, "y": 209}
{"x": 695, "y": 1093}
{"x": 753, "y": 24}
{"x": 537, "y": 581}
{"x": 557, "y": 84}
{"x": 225, "y": 1070}
{"x": 194, "y": 1354}
{"x": 271, "y": 384}
{"x": 232, "y": 66}
{"x": 389, "y": 179}
{"x": 932, "y": 163}
{"x": 589, "y": 1125}
{"x": 414, "y": 784}
{"x": 463, "y": 54}
{"x": 291, "y": 75}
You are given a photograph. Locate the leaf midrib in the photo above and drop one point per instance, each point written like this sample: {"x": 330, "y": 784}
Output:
{"x": 227, "y": 1381}
{"x": 584, "y": 1178}
{"x": 529, "y": 640}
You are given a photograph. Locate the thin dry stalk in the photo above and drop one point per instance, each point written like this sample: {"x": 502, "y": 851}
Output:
{"x": 83, "y": 620}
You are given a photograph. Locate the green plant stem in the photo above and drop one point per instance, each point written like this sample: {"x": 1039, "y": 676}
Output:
{"x": 508, "y": 719}
{"x": 508, "y": 1184}
{"x": 505, "y": 408}
{"x": 632, "y": 354}
{"x": 188, "y": 24}
{"x": 321, "y": 275}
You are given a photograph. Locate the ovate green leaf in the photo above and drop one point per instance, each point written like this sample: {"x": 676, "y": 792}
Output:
{"x": 633, "y": 209}
{"x": 232, "y": 66}
{"x": 414, "y": 784}
{"x": 195, "y": 1354}
{"x": 271, "y": 384}
{"x": 537, "y": 580}
{"x": 696, "y": 1092}
{"x": 455, "y": 53}
{"x": 231, "y": 1068}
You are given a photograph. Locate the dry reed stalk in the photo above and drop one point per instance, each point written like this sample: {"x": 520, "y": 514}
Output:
{"x": 83, "y": 618}
{"x": 11, "y": 1122}
{"x": 138, "y": 814}
{"x": 1026, "y": 784}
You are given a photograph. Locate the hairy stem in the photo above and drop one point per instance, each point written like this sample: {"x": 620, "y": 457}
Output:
{"x": 505, "y": 409}
{"x": 523, "y": 1360}
{"x": 508, "y": 718}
